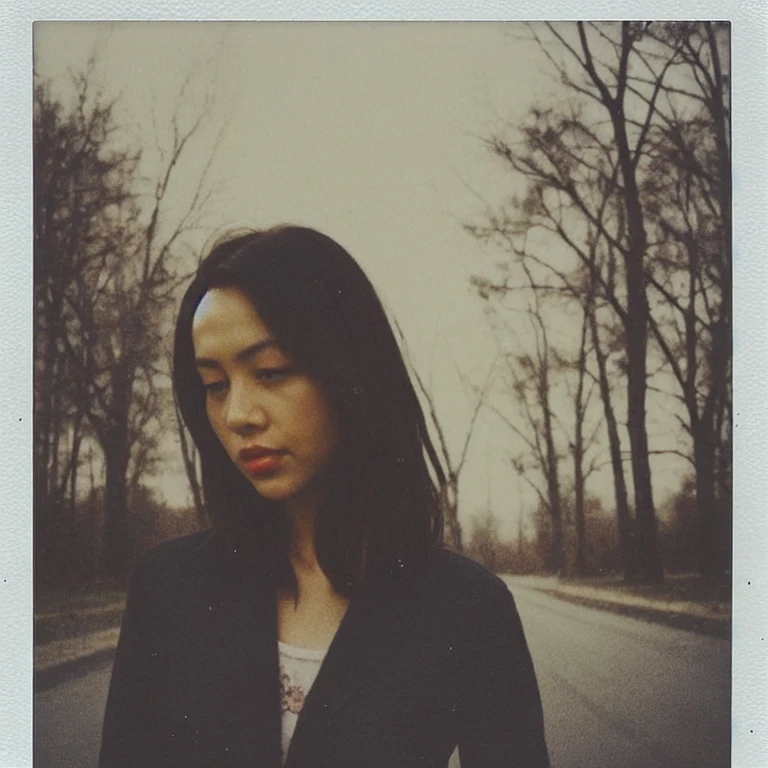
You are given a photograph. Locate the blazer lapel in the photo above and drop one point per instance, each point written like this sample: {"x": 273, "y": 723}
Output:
{"x": 237, "y": 598}
{"x": 361, "y": 642}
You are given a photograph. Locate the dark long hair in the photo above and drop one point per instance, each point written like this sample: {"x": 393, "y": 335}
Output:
{"x": 382, "y": 514}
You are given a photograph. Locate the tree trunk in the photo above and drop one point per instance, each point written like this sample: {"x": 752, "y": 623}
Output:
{"x": 190, "y": 468}
{"x": 557, "y": 555}
{"x": 578, "y": 443}
{"x": 116, "y": 533}
{"x": 623, "y": 518}
{"x": 578, "y": 490}
{"x": 116, "y": 445}
{"x": 74, "y": 462}
{"x": 201, "y": 516}
{"x": 637, "y": 342}
{"x": 724, "y": 491}
{"x": 450, "y": 502}
{"x": 708, "y": 539}
{"x": 649, "y": 564}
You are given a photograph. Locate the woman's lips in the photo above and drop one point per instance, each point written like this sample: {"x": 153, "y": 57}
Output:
{"x": 257, "y": 461}
{"x": 264, "y": 464}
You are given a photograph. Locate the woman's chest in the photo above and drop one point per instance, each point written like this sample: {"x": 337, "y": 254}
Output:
{"x": 309, "y": 622}
{"x": 391, "y": 684}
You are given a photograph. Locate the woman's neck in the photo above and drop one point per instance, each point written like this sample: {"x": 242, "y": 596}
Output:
{"x": 310, "y": 617}
{"x": 302, "y": 552}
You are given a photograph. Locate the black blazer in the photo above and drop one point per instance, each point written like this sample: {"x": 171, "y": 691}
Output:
{"x": 410, "y": 674}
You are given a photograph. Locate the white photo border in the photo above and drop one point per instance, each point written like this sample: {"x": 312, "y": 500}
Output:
{"x": 750, "y": 172}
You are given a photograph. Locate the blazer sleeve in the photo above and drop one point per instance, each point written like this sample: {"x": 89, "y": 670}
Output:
{"x": 129, "y": 733}
{"x": 502, "y": 721}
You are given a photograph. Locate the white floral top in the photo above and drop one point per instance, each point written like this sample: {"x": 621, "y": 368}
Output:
{"x": 298, "y": 670}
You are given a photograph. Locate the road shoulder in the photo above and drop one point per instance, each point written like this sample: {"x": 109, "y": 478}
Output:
{"x": 708, "y": 617}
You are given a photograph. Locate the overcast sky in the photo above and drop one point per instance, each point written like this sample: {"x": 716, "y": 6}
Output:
{"x": 370, "y": 133}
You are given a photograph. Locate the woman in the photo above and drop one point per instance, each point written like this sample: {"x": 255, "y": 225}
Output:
{"x": 320, "y": 623}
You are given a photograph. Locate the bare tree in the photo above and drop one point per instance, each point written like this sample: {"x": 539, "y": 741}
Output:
{"x": 690, "y": 275}
{"x": 120, "y": 297}
{"x": 146, "y": 287}
{"x": 583, "y": 438}
{"x": 584, "y": 163}
{"x": 191, "y": 469}
{"x": 531, "y": 376}
{"x": 625, "y": 524}
{"x": 84, "y": 211}
{"x": 580, "y": 288}
{"x": 452, "y": 467}
{"x": 631, "y": 171}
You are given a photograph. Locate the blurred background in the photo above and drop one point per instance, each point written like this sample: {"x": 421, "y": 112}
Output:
{"x": 545, "y": 210}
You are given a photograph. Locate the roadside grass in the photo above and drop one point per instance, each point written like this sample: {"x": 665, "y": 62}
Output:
{"x": 683, "y": 600}
{"x": 688, "y": 592}
{"x": 77, "y": 600}
{"x": 66, "y": 614}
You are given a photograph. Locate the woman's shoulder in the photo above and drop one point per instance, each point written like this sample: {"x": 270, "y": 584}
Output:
{"x": 176, "y": 551}
{"x": 455, "y": 597}
{"x": 206, "y": 563}
{"x": 457, "y": 581}
{"x": 180, "y": 559}
{"x": 452, "y": 568}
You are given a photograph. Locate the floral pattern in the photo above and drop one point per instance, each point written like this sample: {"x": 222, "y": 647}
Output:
{"x": 298, "y": 670}
{"x": 292, "y": 695}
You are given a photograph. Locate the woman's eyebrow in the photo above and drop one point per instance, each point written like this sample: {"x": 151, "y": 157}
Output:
{"x": 243, "y": 356}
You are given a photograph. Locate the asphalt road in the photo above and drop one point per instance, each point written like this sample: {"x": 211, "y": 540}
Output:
{"x": 624, "y": 693}
{"x": 67, "y": 720}
{"x": 617, "y": 693}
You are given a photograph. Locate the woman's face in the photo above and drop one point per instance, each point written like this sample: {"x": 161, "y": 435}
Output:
{"x": 274, "y": 421}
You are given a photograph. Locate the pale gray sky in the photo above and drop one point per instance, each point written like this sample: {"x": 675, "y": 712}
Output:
{"x": 370, "y": 133}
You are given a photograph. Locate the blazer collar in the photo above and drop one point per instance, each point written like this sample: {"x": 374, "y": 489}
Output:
{"x": 246, "y": 591}
{"x": 237, "y": 597}
{"x": 360, "y": 644}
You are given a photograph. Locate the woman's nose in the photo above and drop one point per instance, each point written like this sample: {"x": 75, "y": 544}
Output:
{"x": 244, "y": 411}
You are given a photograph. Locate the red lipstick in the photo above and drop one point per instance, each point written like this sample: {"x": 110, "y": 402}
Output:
{"x": 258, "y": 460}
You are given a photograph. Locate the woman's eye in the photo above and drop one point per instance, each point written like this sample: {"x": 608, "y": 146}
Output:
{"x": 214, "y": 387}
{"x": 272, "y": 374}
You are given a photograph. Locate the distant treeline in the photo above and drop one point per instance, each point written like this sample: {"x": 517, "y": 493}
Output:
{"x": 529, "y": 550}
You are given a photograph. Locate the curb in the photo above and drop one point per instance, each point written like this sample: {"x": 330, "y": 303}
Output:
{"x": 713, "y": 627}
{"x": 60, "y": 659}
{"x": 66, "y": 670}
